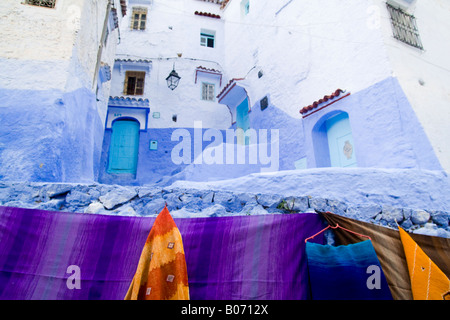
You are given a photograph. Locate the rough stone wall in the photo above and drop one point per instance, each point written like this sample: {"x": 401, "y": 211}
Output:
{"x": 148, "y": 201}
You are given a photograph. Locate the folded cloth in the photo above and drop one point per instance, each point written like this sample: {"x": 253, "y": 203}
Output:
{"x": 350, "y": 272}
{"x": 428, "y": 282}
{"x": 161, "y": 273}
{"x": 390, "y": 252}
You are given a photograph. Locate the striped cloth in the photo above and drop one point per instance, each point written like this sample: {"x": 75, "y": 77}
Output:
{"x": 161, "y": 272}
{"x": 350, "y": 272}
{"x": 390, "y": 252}
{"x": 230, "y": 258}
{"x": 428, "y": 282}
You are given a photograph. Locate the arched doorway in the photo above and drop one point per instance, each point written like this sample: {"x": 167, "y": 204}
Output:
{"x": 124, "y": 147}
{"x": 333, "y": 141}
{"x": 340, "y": 141}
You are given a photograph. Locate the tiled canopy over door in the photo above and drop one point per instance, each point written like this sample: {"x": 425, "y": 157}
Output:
{"x": 124, "y": 148}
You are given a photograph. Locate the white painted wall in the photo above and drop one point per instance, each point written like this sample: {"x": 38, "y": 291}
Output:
{"x": 431, "y": 67}
{"x": 306, "y": 49}
{"x": 310, "y": 48}
{"x": 172, "y": 29}
{"x": 45, "y": 48}
{"x": 36, "y": 42}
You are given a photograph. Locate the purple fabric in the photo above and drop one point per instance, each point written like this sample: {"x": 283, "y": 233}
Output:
{"x": 230, "y": 258}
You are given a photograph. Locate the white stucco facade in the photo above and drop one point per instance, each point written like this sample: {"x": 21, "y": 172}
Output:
{"x": 172, "y": 39}
{"x": 54, "y": 87}
{"x": 425, "y": 74}
{"x": 307, "y": 49}
{"x": 74, "y": 62}
{"x": 292, "y": 53}
{"x": 53, "y": 48}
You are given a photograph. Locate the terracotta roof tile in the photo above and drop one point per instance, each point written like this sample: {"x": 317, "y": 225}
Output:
{"x": 207, "y": 14}
{"x": 210, "y": 70}
{"x": 327, "y": 98}
{"x": 224, "y": 4}
{"x": 213, "y": 1}
{"x": 228, "y": 85}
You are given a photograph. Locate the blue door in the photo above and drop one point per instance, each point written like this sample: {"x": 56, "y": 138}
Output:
{"x": 340, "y": 141}
{"x": 123, "y": 154}
{"x": 242, "y": 121}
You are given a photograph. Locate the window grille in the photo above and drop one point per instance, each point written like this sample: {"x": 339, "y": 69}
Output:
{"x": 134, "y": 83}
{"x": 208, "y": 90}
{"x": 139, "y": 19}
{"x": 42, "y": 3}
{"x": 405, "y": 27}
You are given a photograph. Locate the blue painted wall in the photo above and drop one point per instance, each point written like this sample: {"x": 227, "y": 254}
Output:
{"x": 153, "y": 165}
{"x": 49, "y": 136}
{"x": 386, "y": 134}
{"x": 386, "y": 131}
{"x": 292, "y": 144}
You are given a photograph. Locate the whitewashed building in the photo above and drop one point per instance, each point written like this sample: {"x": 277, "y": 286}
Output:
{"x": 56, "y": 59}
{"x": 315, "y": 84}
{"x": 341, "y": 83}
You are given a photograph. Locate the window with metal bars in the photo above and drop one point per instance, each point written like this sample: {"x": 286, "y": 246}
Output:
{"x": 42, "y": 3}
{"x": 404, "y": 26}
{"x": 139, "y": 19}
{"x": 208, "y": 91}
{"x": 134, "y": 83}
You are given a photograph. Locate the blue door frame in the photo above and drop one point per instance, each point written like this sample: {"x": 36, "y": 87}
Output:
{"x": 340, "y": 141}
{"x": 124, "y": 147}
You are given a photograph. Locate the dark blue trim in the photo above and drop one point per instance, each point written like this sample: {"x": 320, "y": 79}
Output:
{"x": 124, "y": 118}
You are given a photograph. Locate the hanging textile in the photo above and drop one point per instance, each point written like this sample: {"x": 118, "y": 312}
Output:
{"x": 350, "y": 272}
{"x": 161, "y": 273}
{"x": 428, "y": 282}
{"x": 230, "y": 258}
{"x": 390, "y": 252}
{"x": 248, "y": 257}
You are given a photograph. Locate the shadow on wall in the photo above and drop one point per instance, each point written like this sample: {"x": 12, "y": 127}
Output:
{"x": 199, "y": 154}
{"x": 49, "y": 136}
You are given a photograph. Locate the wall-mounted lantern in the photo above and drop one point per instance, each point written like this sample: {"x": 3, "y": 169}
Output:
{"x": 173, "y": 79}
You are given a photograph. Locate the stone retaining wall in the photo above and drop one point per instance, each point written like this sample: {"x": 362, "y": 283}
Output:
{"x": 148, "y": 201}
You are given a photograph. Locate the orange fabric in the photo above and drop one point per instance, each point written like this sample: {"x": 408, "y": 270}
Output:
{"x": 428, "y": 282}
{"x": 161, "y": 273}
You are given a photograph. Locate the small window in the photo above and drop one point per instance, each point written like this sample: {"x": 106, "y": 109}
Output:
{"x": 245, "y": 7}
{"x": 264, "y": 103}
{"x": 139, "y": 19}
{"x": 405, "y": 27}
{"x": 134, "y": 83}
{"x": 42, "y": 3}
{"x": 208, "y": 91}
{"x": 207, "y": 38}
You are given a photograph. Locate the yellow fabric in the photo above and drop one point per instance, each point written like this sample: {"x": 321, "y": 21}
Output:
{"x": 161, "y": 273}
{"x": 428, "y": 282}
